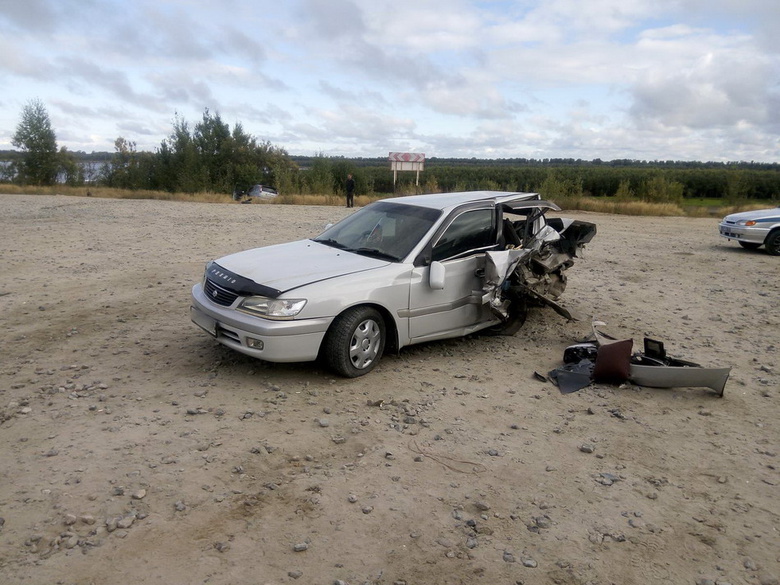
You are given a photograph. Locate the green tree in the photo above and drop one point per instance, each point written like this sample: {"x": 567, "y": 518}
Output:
{"x": 214, "y": 145}
{"x": 659, "y": 189}
{"x": 181, "y": 169}
{"x": 70, "y": 168}
{"x": 38, "y": 144}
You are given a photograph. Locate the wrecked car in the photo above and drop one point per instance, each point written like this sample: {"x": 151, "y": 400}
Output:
{"x": 397, "y": 272}
{"x": 753, "y": 229}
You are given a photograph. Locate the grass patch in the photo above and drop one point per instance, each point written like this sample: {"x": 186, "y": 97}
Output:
{"x": 111, "y": 193}
{"x": 614, "y": 205}
{"x": 620, "y": 206}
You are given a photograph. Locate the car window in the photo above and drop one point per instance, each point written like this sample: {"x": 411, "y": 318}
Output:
{"x": 471, "y": 230}
{"x": 392, "y": 229}
{"x": 524, "y": 223}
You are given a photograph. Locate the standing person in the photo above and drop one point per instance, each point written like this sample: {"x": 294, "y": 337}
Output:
{"x": 350, "y": 191}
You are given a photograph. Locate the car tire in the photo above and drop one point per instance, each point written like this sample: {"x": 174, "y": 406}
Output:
{"x": 355, "y": 342}
{"x": 518, "y": 312}
{"x": 772, "y": 243}
{"x": 749, "y": 245}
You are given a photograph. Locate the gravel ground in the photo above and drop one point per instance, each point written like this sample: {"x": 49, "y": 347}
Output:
{"x": 136, "y": 449}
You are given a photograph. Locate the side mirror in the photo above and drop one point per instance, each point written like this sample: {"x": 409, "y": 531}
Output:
{"x": 436, "y": 276}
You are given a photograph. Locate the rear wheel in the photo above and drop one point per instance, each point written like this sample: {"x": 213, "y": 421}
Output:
{"x": 772, "y": 243}
{"x": 749, "y": 245}
{"x": 355, "y": 342}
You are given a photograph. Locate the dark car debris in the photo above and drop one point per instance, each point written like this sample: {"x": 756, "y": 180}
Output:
{"x": 611, "y": 361}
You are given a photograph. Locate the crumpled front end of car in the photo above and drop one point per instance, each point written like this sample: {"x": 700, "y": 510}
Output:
{"x": 535, "y": 273}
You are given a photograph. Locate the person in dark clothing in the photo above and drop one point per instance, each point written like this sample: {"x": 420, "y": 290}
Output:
{"x": 350, "y": 191}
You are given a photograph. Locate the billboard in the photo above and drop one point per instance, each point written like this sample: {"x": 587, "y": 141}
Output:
{"x": 406, "y": 161}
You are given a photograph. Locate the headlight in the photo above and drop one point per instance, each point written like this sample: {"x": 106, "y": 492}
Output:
{"x": 272, "y": 308}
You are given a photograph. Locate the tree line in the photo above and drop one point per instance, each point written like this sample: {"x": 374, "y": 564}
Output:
{"x": 207, "y": 156}
{"x": 210, "y": 156}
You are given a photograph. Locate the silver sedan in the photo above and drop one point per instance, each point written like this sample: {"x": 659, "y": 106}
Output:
{"x": 397, "y": 272}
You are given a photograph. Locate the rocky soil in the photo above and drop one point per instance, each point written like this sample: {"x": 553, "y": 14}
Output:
{"x": 137, "y": 450}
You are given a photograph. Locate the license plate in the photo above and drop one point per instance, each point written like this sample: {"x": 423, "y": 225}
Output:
{"x": 203, "y": 321}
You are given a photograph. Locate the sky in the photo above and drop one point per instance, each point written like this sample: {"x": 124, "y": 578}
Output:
{"x": 608, "y": 79}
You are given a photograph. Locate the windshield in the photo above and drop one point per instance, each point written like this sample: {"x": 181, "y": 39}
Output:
{"x": 383, "y": 230}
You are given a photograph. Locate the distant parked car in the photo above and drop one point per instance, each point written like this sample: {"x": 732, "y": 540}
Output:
{"x": 262, "y": 191}
{"x": 753, "y": 229}
{"x": 396, "y": 272}
{"x": 259, "y": 191}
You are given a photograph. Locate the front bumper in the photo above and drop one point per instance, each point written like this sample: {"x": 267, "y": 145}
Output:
{"x": 265, "y": 339}
{"x": 742, "y": 234}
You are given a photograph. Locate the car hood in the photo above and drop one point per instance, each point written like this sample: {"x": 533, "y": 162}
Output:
{"x": 756, "y": 214}
{"x": 294, "y": 264}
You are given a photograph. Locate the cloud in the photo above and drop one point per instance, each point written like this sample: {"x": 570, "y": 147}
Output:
{"x": 616, "y": 78}
{"x": 705, "y": 81}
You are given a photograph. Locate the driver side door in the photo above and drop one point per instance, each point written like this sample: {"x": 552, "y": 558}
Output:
{"x": 460, "y": 248}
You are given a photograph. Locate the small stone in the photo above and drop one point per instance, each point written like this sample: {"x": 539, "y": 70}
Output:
{"x": 222, "y": 546}
{"x": 482, "y": 506}
{"x": 352, "y": 498}
{"x": 71, "y": 542}
{"x": 324, "y": 422}
{"x": 508, "y": 557}
{"x": 367, "y": 509}
{"x": 749, "y": 564}
{"x": 300, "y": 547}
{"x": 139, "y": 495}
{"x": 69, "y": 520}
{"x": 530, "y": 563}
{"x": 295, "y": 574}
{"x": 125, "y": 522}
{"x": 543, "y": 521}
{"x": 587, "y": 448}
{"x": 180, "y": 506}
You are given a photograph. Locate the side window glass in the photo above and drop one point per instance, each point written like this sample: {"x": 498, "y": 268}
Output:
{"x": 471, "y": 230}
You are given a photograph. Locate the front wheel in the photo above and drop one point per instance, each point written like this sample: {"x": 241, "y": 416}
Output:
{"x": 772, "y": 243}
{"x": 516, "y": 316}
{"x": 749, "y": 245}
{"x": 355, "y": 342}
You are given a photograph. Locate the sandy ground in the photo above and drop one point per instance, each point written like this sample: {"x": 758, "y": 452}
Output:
{"x": 137, "y": 450}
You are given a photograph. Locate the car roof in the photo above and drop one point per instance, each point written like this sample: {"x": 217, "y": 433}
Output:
{"x": 449, "y": 200}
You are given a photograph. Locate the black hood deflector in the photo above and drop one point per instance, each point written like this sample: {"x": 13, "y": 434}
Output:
{"x": 241, "y": 285}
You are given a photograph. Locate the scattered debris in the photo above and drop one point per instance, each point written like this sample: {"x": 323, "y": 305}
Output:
{"x": 609, "y": 360}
